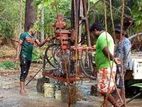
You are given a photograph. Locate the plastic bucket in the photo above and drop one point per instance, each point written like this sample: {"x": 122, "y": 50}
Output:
{"x": 58, "y": 94}
{"x": 48, "y": 90}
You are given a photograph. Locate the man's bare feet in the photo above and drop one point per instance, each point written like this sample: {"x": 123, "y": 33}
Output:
{"x": 22, "y": 92}
{"x": 119, "y": 104}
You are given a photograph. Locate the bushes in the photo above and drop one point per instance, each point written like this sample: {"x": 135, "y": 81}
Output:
{"x": 6, "y": 30}
{"x": 9, "y": 19}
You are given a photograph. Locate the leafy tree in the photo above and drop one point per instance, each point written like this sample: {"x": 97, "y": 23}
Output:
{"x": 9, "y": 14}
{"x": 8, "y": 18}
{"x": 51, "y": 9}
{"x": 136, "y": 13}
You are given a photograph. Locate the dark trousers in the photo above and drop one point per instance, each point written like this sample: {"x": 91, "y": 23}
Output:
{"x": 25, "y": 66}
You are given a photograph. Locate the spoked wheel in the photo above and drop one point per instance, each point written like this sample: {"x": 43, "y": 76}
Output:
{"x": 86, "y": 64}
{"x": 50, "y": 57}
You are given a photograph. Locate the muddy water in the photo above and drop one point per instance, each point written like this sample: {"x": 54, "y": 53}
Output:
{"x": 9, "y": 96}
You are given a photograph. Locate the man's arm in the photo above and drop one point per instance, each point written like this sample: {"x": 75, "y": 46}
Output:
{"x": 126, "y": 50}
{"x": 107, "y": 53}
{"x": 19, "y": 49}
{"x": 40, "y": 44}
{"x": 110, "y": 56}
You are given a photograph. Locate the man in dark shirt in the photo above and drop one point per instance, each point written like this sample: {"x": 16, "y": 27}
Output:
{"x": 24, "y": 53}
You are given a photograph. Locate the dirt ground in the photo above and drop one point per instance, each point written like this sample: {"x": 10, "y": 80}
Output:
{"x": 9, "y": 93}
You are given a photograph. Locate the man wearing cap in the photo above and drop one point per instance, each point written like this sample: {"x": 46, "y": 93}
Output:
{"x": 106, "y": 64}
{"x": 123, "y": 52}
{"x": 123, "y": 47}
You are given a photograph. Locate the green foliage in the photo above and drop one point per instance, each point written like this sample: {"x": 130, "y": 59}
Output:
{"x": 6, "y": 29}
{"x": 8, "y": 17}
{"x": 136, "y": 12}
{"x": 51, "y": 9}
{"x": 137, "y": 85}
{"x": 8, "y": 65}
{"x": 37, "y": 55}
{"x": 9, "y": 13}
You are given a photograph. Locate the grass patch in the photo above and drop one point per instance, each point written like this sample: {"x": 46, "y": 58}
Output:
{"x": 8, "y": 65}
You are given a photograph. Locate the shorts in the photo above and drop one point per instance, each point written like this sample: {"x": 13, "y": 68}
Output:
{"x": 106, "y": 80}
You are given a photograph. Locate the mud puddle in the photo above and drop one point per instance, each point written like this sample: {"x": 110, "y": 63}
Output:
{"x": 9, "y": 96}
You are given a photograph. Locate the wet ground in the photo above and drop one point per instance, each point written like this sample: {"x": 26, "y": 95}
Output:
{"x": 9, "y": 95}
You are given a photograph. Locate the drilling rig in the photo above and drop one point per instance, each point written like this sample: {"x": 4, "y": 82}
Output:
{"x": 68, "y": 58}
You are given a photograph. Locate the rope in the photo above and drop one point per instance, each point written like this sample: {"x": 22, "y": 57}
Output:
{"x": 34, "y": 76}
{"x": 122, "y": 21}
{"x": 125, "y": 15}
{"x": 114, "y": 41}
{"x": 112, "y": 20}
{"x": 122, "y": 15}
{"x": 105, "y": 11}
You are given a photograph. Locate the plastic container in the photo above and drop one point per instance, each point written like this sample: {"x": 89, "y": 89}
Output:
{"x": 58, "y": 95}
{"x": 48, "y": 90}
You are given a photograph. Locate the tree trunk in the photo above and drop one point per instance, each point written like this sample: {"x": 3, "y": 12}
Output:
{"x": 30, "y": 14}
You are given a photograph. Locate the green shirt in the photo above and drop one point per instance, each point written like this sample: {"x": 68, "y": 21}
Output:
{"x": 104, "y": 40}
{"x": 27, "y": 46}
